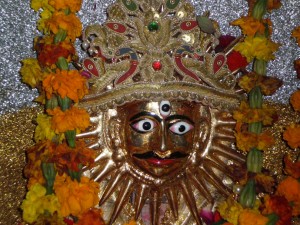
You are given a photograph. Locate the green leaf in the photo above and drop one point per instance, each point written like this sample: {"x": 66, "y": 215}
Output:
{"x": 206, "y": 24}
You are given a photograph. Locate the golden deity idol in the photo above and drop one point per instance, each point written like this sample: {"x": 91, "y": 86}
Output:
{"x": 161, "y": 106}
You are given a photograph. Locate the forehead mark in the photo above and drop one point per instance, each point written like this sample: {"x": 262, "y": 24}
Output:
{"x": 165, "y": 108}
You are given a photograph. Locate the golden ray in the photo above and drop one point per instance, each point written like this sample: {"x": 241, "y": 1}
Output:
{"x": 227, "y": 152}
{"x": 103, "y": 170}
{"x": 154, "y": 207}
{"x": 140, "y": 199}
{"x": 105, "y": 154}
{"x": 173, "y": 201}
{"x": 111, "y": 186}
{"x": 198, "y": 182}
{"x": 212, "y": 164}
{"x": 188, "y": 195}
{"x": 211, "y": 177}
{"x": 123, "y": 196}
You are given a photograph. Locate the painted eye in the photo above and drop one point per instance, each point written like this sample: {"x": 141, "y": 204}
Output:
{"x": 181, "y": 127}
{"x": 165, "y": 108}
{"x": 144, "y": 125}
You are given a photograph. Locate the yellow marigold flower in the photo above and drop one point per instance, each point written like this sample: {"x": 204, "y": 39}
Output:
{"x": 250, "y": 217}
{"x": 249, "y": 25}
{"x": 257, "y": 47}
{"x": 37, "y": 4}
{"x": 76, "y": 197}
{"x": 37, "y": 203}
{"x": 31, "y": 72}
{"x": 230, "y": 210}
{"x": 70, "y": 23}
{"x": 295, "y": 100}
{"x": 71, "y": 119}
{"x": 73, "y": 5}
{"x": 292, "y": 135}
{"x": 45, "y": 15}
{"x": 296, "y": 34}
{"x": 43, "y": 130}
{"x": 65, "y": 83}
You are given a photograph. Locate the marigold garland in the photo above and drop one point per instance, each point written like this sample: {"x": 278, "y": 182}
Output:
{"x": 257, "y": 47}
{"x": 37, "y": 203}
{"x": 69, "y": 23}
{"x": 251, "y": 26}
{"x": 76, "y": 198}
{"x": 71, "y": 119}
{"x": 66, "y": 84}
{"x": 250, "y": 217}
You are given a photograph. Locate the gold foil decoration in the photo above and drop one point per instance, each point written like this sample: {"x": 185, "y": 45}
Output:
{"x": 15, "y": 136}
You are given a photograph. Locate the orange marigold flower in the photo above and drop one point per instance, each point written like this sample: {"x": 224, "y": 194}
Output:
{"x": 292, "y": 169}
{"x": 290, "y": 189}
{"x": 280, "y": 206}
{"x": 48, "y": 54}
{"x": 71, "y": 119}
{"x": 296, "y": 34}
{"x": 246, "y": 114}
{"x": 66, "y": 83}
{"x": 250, "y": 217}
{"x": 247, "y": 140}
{"x": 91, "y": 217}
{"x": 251, "y": 26}
{"x": 73, "y": 5}
{"x": 75, "y": 197}
{"x": 292, "y": 135}
{"x": 70, "y": 23}
{"x": 268, "y": 85}
{"x": 66, "y": 158}
{"x": 295, "y": 100}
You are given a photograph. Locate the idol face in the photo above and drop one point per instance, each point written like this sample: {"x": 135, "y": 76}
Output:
{"x": 159, "y": 136}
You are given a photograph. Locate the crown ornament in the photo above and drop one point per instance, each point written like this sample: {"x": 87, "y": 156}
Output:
{"x": 149, "y": 45}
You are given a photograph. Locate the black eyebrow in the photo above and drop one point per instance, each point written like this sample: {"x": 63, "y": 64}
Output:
{"x": 145, "y": 113}
{"x": 172, "y": 117}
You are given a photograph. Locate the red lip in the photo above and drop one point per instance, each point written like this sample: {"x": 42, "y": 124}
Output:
{"x": 160, "y": 162}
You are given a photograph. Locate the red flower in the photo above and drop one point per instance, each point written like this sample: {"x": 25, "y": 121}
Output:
{"x": 48, "y": 54}
{"x": 236, "y": 61}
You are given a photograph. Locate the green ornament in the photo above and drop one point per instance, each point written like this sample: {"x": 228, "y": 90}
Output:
{"x": 153, "y": 26}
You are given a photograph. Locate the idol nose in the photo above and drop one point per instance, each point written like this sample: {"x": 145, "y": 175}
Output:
{"x": 163, "y": 145}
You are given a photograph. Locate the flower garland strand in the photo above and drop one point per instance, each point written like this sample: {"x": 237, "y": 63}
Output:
{"x": 58, "y": 193}
{"x": 275, "y": 208}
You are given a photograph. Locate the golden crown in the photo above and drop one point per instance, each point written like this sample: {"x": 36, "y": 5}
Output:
{"x": 154, "y": 49}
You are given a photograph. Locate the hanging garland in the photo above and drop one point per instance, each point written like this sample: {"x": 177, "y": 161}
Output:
{"x": 59, "y": 194}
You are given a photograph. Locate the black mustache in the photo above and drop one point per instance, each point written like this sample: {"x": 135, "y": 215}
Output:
{"x": 151, "y": 154}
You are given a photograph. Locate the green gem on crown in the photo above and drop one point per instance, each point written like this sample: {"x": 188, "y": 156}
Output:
{"x": 153, "y": 26}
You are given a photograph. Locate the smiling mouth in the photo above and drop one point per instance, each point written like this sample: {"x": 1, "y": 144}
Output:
{"x": 153, "y": 158}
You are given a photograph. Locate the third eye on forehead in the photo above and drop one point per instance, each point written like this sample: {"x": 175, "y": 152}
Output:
{"x": 165, "y": 108}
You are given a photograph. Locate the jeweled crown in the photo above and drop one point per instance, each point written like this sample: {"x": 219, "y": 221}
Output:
{"x": 156, "y": 44}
